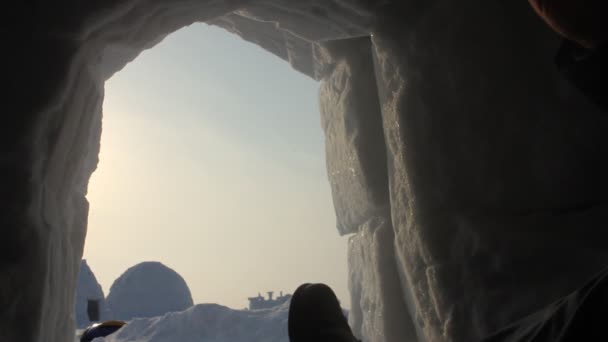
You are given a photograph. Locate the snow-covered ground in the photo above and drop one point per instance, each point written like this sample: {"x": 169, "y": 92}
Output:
{"x": 208, "y": 323}
{"x": 150, "y": 289}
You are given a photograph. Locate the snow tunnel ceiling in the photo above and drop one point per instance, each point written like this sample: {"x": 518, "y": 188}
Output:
{"x": 288, "y": 29}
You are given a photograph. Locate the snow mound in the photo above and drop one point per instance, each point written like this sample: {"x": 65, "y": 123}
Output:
{"x": 148, "y": 289}
{"x": 88, "y": 289}
{"x": 208, "y": 323}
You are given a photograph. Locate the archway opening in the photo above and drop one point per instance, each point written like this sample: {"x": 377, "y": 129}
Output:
{"x": 214, "y": 166}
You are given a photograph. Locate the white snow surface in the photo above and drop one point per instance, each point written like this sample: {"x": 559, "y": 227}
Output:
{"x": 208, "y": 323}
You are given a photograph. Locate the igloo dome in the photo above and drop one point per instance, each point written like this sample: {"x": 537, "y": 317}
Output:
{"x": 148, "y": 289}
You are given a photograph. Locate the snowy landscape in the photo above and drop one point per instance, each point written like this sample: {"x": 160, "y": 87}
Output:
{"x": 156, "y": 303}
{"x": 208, "y": 323}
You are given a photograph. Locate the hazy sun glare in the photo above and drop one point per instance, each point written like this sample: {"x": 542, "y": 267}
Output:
{"x": 219, "y": 175}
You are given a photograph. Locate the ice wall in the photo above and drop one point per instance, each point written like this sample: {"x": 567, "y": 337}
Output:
{"x": 354, "y": 140}
{"x": 356, "y": 167}
{"x": 494, "y": 166}
{"x": 487, "y": 206}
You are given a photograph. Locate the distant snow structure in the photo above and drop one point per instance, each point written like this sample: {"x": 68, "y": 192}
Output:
{"x": 208, "y": 323}
{"x": 148, "y": 289}
{"x": 259, "y": 302}
{"x": 90, "y": 300}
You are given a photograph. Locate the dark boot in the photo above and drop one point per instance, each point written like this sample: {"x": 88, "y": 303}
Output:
{"x": 315, "y": 316}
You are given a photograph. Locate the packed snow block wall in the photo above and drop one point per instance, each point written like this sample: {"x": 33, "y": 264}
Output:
{"x": 148, "y": 289}
{"x": 88, "y": 289}
{"x": 378, "y": 311}
{"x": 356, "y": 166}
{"x": 495, "y": 167}
{"x": 46, "y": 169}
{"x": 354, "y": 140}
{"x": 292, "y": 30}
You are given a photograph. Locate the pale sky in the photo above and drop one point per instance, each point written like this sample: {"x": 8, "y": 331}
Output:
{"x": 212, "y": 163}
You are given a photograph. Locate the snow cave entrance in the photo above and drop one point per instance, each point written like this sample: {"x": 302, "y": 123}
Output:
{"x": 212, "y": 163}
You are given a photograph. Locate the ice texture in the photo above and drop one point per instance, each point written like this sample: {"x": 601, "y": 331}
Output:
{"x": 88, "y": 289}
{"x": 378, "y": 309}
{"x": 148, "y": 289}
{"x": 354, "y": 140}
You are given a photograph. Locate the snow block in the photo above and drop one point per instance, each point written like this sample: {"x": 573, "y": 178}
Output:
{"x": 378, "y": 311}
{"x": 354, "y": 140}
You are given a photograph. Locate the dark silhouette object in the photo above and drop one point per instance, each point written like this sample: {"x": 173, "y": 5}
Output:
{"x": 580, "y": 21}
{"x": 315, "y": 315}
{"x": 93, "y": 310}
{"x": 101, "y": 330}
{"x": 583, "y": 57}
{"x": 587, "y": 70}
{"x": 259, "y": 302}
